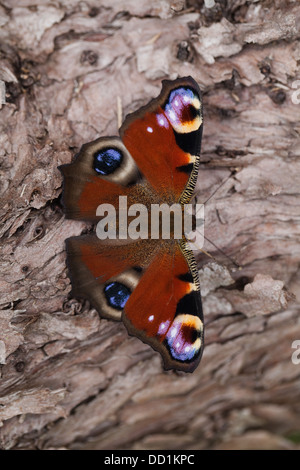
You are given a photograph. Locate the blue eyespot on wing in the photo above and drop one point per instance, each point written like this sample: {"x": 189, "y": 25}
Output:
{"x": 183, "y": 110}
{"x": 107, "y": 160}
{"x": 116, "y": 295}
{"x": 184, "y": 337}
{"x": 100, "y": 173}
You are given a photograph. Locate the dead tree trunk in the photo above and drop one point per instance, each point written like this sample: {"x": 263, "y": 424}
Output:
{"x": 70, "y": 380}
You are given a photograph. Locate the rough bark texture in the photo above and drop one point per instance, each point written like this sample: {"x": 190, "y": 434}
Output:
{"x": 71, "y": 380}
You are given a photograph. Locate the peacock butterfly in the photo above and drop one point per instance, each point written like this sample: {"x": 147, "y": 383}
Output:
{"x": 150, "y": 284}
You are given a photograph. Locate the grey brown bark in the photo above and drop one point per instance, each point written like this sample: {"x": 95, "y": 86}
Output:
{"x": 71, "y": 380}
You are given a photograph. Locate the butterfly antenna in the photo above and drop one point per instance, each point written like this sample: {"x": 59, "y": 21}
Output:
{"x": 220, "y": 186}
{"x": 212, "y": 257}
{"x": 208, "y": 254}
{"x": 223, "y": 253}
{"x": 219, "y": 249}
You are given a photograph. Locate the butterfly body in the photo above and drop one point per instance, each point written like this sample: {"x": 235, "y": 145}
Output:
{"x": 150, "y": 282}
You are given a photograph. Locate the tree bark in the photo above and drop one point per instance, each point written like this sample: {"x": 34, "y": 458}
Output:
{"x": 70, "y": 380}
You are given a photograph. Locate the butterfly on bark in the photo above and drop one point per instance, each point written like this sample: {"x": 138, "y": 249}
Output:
{"x": 152, "y": 285}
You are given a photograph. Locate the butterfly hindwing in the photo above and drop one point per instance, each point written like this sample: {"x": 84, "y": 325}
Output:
{"x": 102, "y": 171}
{"x": 98, "y": 269}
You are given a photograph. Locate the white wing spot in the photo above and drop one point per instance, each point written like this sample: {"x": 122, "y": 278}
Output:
{"x": 173, "y": 332}
{"x": 172, "y": 116}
